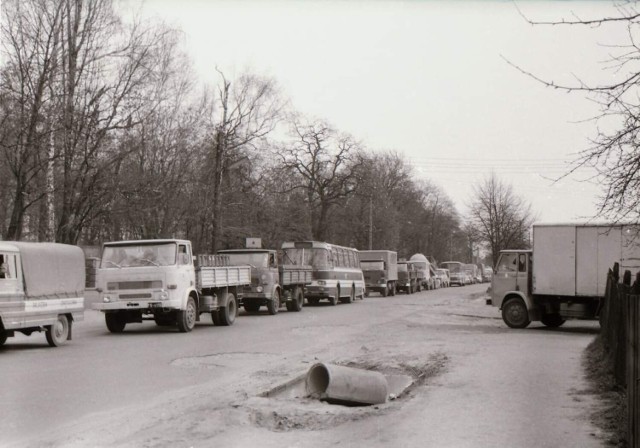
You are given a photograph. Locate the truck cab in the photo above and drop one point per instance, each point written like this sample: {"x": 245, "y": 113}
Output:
{"x": 145, "y": 277}
{"x": 511, "y": 288}
{"x": 265, "y": 286}
{"x": 375, "y": 277}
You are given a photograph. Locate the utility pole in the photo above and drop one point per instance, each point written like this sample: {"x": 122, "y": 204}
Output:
{"x": 370, "y": 222}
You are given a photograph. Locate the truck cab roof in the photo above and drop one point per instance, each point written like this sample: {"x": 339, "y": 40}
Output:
{"x": 152, "y": 241}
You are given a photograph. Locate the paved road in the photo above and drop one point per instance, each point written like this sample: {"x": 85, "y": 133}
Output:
{"x": 493, "y": 386}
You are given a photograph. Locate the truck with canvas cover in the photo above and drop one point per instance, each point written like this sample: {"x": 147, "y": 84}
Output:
{"x": 272, "y": 283}
{"x": 380, "y": 269}
{"x": 407, "y": 277}
{"x": 158, "y": 280}
{"x": 564, "y": 276}
{"x": 41, "y": 289}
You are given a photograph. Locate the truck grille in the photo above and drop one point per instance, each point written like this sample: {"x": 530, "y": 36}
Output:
{"x": 147, "y": 284}
{"x": 134, "y": 296}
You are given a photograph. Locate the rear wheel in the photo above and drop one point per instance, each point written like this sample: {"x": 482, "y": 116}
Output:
{"x": 552, "y": 320}
{"x": 392, "y": 289}
{"x": 58, "y": 333}
{"x": 186, "y": 318}
{"x": 115, "y": 322}
{"x": 227, "y": 314}
{"x": 296, "y": 303}
{"x": 274, "y": 304}
{"x": 385, "y": 291}
{"x": 515, "y": 314}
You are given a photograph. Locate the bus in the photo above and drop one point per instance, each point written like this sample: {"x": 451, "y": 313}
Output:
{"x": 336, "y": 270}
{"x": 457, "y": 274}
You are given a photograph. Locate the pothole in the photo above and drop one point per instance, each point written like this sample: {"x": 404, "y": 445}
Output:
{"x": 220, "y": 360}
{"x": 288, "y": 407}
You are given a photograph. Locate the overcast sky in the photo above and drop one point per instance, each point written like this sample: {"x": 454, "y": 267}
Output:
{"x": 427, "y": 79}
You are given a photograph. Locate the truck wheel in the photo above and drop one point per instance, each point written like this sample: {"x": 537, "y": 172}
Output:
{"x": 392, "y": 289}
{"x": 515, "y": 314}
{"x": 58, "y": 333}
{"x": 251, "y": 307}
{"x": 186, "y": 318}
{"x": 227, "y": 314}
{"x": 552, "y": 320}
{"x": 297, "y": 302}
{"x": 115, "y": 322}
{"x": 419, "y": 287}
{"x": 274, "y": 304}
{"x": 385, "y": 291}
{"x": 3, "y": 337}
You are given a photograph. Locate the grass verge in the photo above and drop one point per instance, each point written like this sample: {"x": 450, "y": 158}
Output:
{"x": 611, "y": 415}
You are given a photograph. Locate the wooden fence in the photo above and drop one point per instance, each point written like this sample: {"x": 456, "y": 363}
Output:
{"x": 620, "y": 331}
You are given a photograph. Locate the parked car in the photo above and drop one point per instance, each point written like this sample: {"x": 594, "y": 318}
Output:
{"x": 443, "y": 276}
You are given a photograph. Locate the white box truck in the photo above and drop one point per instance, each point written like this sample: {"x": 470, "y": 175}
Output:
{"x": 565, "y": 274}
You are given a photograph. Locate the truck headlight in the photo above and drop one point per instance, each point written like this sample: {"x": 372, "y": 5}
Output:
{"x": 259, "y": 289}
{"x": 106, "y": 299}
{"x": 164, "y": 295}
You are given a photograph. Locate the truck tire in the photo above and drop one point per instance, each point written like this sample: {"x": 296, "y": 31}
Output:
{"x": 251, "y": 307}
{"x": 58, "y": 333}
{"x": 115, "y": 322}
{"x": 385, "y": 291}
{"x": 227, "y": 314}
{"x": 3, "y": 337}
{"x": 515, "y": 313}
{"x": 419, "y": 287}
{"x": 296, "y": 303}
{"x": 186, "y": 318}
{"x": 392, "y": 289}
{"x": 274, "y": 304}
{"x": 552, "y": 320}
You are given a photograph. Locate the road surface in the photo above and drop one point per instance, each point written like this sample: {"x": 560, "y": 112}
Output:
{"x": 477, "y": 382}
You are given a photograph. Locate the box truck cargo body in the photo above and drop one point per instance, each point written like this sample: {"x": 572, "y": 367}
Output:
{"x": 565, "y": 274}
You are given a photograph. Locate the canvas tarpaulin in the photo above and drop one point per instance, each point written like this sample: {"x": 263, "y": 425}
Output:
{"x": 52, "y": 270}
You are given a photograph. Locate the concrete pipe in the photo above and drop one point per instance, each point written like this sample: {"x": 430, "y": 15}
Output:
{"x": 346, "y": 385}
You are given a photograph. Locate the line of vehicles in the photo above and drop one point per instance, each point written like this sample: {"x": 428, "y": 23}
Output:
{"x": 42, "y": 284}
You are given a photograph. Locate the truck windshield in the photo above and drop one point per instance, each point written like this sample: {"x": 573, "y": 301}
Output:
{"x": 372, "y": 265}
{"x": 402, "y": 267}
{"x": 136, "y": 255}
{"x": 254, "y": 259}
{"x": 317, "y": 257}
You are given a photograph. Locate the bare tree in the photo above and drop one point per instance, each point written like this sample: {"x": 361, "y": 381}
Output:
{"x": 248, "y": 109}
{"x": 30, "y": 35}
{"x": 499, "y": 218}
{"x": 613, "y": 152}
{"x": 325, "y": 162}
